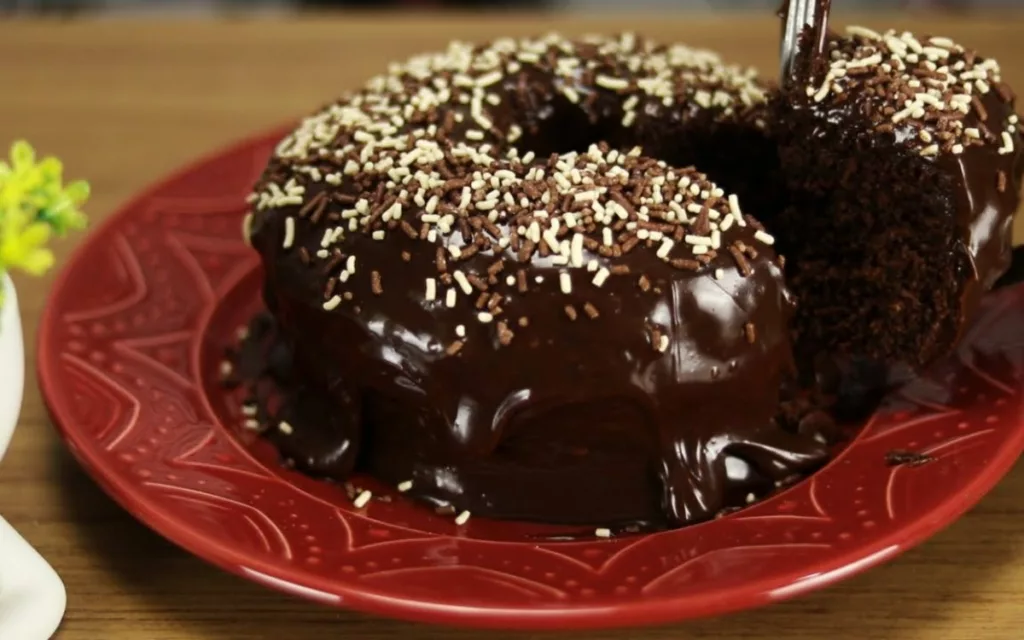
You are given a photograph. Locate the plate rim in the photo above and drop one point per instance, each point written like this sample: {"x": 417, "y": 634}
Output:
{"x": 293, "y": 580}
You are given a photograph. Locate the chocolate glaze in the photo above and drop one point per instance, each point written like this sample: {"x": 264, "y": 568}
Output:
{"x": 984, "y": 213}
{"x": 574, "y": 421}
{"x": 585, "y": 412}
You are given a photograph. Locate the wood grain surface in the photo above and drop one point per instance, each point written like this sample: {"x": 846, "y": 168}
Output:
{"x": 123, "y": 102}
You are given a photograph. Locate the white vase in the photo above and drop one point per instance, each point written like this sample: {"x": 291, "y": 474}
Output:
{"x": 32, "y": 597}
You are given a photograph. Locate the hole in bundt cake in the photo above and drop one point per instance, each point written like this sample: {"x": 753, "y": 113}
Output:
{"x": 738, "y": 155}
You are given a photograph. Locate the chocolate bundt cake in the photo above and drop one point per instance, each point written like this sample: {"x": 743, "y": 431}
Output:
{"x": 508, "y": 279}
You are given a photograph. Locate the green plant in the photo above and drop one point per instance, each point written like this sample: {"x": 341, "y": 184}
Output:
{"x": 34, "y": 205}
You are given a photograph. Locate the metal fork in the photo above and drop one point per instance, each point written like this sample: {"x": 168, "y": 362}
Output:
{"x": 800, "y": 14}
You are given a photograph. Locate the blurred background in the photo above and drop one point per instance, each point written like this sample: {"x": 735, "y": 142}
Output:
{"x": 192, "y": 6}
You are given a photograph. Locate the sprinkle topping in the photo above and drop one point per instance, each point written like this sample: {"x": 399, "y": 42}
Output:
{"x": 931, "y": 94}
{"x": 428, "y": 153}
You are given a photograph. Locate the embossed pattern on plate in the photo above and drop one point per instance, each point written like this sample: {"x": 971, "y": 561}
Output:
{"x": 129, "y": 351}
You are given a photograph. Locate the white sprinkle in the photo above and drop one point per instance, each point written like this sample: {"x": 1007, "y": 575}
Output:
{"x": 663, "y": 342}
{"x": 628, "y": 118}
{"x": 603, "y": 533}
{"x": 431, "y": 293}
{"x": 488, "y": 79}
{"x": 935, "y": 53}
{"x": 665, "y": 248}
{"x": 379, "y": 234}
{"x": 462, "y": 518}
{"x": 697, "y": 240}
{"x": 610, "y": 82}
{"x": 333, "y": 303}
{"x": 899, "y": 116}
{"x": 719, "y": 274}
{"x": 576, "y": 251}
{"x": 450, "y": 298}
{"x": 285, "y": 428}
{"x": 972, "y": 132}
{"x": 549, "y": 237}
{"x": 404, "y": 486}
{"x": 460, "y": 331}
{"x": 925, "y": 136}
{"x": 930, "y": 150}
{"x": 362, "y": 499}
{"x": 957, "y": 149}
{"x": 865, "y": 62}
{"x": 1007, "y": 144}
{"x": 766, "y": 238}
{"x": 734, "y": 205}
{"x": 484, "y": 317}
{"x": 608, "y": 236}
{"x": 751, "y": 498}
{"x": 863, "y": 32}
{"x": 565, "y": 282}
{"x": 600, "y": 277}
{"x": 463, "y": 282}
{"x": 716, "y": 239}
{"x": 289, "y": 232}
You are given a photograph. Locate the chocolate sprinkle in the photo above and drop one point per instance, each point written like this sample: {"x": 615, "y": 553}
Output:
{"x": 900, "y": 457}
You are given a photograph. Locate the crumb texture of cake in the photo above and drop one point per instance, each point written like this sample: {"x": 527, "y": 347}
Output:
{"x": 902, "y": 158}
{"x": 516, "y": 297}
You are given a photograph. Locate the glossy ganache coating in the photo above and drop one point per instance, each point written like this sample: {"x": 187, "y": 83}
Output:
{"x": 903, "y": 156}
{"x": 520, "y": 321}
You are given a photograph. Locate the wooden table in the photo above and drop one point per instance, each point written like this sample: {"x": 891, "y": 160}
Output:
{"x": 124, "y": 102}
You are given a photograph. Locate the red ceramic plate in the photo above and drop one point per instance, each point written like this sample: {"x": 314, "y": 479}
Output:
{"x": 128, "y": 361}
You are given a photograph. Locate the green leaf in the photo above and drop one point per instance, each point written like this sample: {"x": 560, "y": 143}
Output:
{"x": 22, "y": 155}
{"x": 77, "y": 192}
